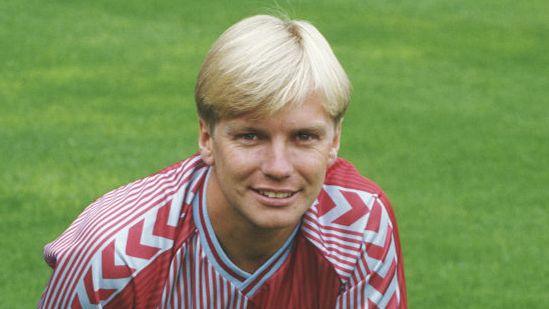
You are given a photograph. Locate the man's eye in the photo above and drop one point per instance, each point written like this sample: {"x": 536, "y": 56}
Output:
{"x": 249, "y": 137}
{"x": 305, "y": 137}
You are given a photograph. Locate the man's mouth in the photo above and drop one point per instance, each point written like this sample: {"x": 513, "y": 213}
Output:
{"x": 275, "y": 194}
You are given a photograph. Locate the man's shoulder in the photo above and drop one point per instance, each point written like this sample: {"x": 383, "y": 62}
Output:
{"x": 133, "y": 202}
{"x": 172, "y": 176}
{"x": 346, "y": 197}
{"x": 349, "y": 210}
{"x": 344, "y": 174}
{"x": 123, "y": 232}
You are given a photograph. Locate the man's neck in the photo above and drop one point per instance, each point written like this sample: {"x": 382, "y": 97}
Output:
{"x": 247, "y": 246}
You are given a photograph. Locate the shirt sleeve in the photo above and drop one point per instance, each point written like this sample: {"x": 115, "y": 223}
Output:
{"x": 56, "y": 255}
{"x": 71, "y": 257}
{"x": 113, "y": 249}
{"x": 378, "y": 278}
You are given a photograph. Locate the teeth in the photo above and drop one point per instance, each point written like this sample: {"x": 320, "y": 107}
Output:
{"x": 275, "y": 194}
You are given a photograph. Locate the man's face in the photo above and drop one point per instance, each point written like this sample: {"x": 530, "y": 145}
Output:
{"x": 268, "y": 171}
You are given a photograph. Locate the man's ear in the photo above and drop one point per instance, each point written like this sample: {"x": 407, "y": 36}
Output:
{"x": 334, "y": 147}
{"x": 205, "y": 143}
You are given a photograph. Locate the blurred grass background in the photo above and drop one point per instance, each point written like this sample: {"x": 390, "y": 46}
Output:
{"x": 450, "y": 115}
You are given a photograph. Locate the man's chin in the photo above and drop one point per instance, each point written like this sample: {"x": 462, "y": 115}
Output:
{"x": 276, "y": 223}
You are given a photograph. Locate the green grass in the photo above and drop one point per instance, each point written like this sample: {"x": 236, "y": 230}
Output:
{"x": 450, "y": 115}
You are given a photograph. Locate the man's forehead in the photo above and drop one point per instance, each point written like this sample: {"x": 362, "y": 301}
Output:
{"x": 268, "y": 123}
{"x": 309, "y": 114}
{"x": 291, "y": 117}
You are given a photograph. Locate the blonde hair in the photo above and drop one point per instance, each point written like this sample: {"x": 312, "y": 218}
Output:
{"x": 263, "y": 63}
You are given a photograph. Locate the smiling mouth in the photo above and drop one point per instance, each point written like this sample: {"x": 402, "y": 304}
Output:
{"x": 273, "y": 194}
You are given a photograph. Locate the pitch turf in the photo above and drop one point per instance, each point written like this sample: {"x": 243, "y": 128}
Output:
{"x": 449, "y": 114}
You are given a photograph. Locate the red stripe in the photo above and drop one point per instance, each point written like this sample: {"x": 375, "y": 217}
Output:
{"x": 214, "y": 288}
{"x": 134, "y": 247}
{"x": 211, "y": 287}
{"x": 337, "y": 246}
{"x": 375, "y": 218}
{"x": 382, "y": 283}
{"x": 357, "y": 211}
{"x": 199, "y": 183}
{"x": 379, "y": 252}
{"x": 335, "y": 243}
{"x": 200, "y": 285}
{"x": 181, "y": 283}
{"x": 356, "y": 300}
{"x": 181, "y": 275}
{"x": 207, "y": 284}
{"x": 309, "y": 217}
{"x": 311, "y": 226}
{"x": 108, "y": 268}
{"x": 76, "y": 303}
{"x": 161, "y": 227}
{"x": 393, "y": 303}
{"x": 175, "y": 287}
{"x": 358, "y": 271}
{"x": 195, "y": 259}
{"x": 330, "y": 252}
{"x": 362, "y": 262}
{"x": 189, "y": 275}
{"x": 221, "y": 290}
{"x": 95, "y": 296}
{"x": 326, "y": 202}
{"x": 348, "y": 300}
{"x": 229, "y": 294}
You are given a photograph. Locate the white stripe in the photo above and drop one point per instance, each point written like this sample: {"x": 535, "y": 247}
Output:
{"x": 363, "y": 269}
{"x": 214, "y": 296}
{"x": 222, "y": 291}
{"x": 362, "y": 303}
{"x": 197, "y": 262}
{"x": 388, "y": 293}
{"x": 188, "y": 292}
{"x": 386, "y": 265}
{"x": 337, "y": 241}
{"x": 308, "y": 219}
{"x": 67, "y": 237}
{"x": 372, "y": 294}
{"x": 178, "y": 278}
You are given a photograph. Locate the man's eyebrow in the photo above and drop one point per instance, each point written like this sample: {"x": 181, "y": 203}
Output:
{"x": 320, "y": 129}
{"x": 235, "y": 128}
{"x": 315, "y": 128}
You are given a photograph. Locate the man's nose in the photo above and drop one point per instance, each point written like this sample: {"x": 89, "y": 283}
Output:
{"x": 276, "y": 163}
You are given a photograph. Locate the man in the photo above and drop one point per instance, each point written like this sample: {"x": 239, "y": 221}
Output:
{"x": 265, "y": 216}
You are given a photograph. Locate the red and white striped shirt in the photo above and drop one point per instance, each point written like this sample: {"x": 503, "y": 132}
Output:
{"x": 151, "y": 244}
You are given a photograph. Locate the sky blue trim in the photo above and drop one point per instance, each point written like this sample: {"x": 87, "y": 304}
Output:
{"x": 285, "y": 250}
{"x": 215, "y": 242}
